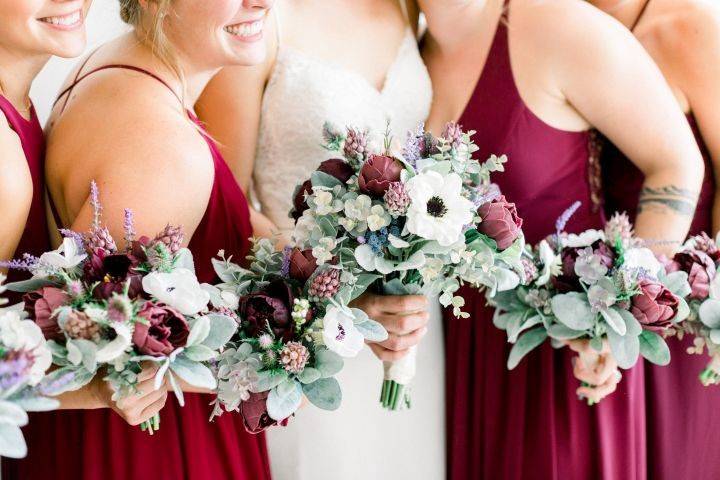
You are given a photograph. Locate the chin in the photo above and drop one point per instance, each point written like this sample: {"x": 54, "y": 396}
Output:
{"x": 249, "y": 56}
{"x": 69, "y": 48}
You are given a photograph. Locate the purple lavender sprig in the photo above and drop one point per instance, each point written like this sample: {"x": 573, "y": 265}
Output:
{"x": 52, "y": 387}
{"x": 96, "y": 206}
{"x": 412, "y": 150}
{"x": 285, "y": 268}
{"x": 129, "y": 227}
{"x": 27, "y": 262}
{"x": 563, "y": 219}
{"x": 79, "y": 239}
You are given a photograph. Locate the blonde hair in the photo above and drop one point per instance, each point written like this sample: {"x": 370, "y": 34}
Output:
{"x": 150, "y": 30}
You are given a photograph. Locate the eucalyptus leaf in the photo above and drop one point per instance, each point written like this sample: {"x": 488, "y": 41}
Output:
{"x": 195, "y": 374}
{"x": 267, "y": 381}
{"x": 625, "y": 349}
{"x": 37, "y": 404}
{"x": 709, "y": 313}
{"x": 327, "y": 362}
{"x": 654, "y": 348}
{"x": 677, "y": 283}
{"x": 199, "y": 331}
{"x": 30, "y": 285}
{"x": 715, "y": 336}
{"x": 524, "y": 345}
{"x": 281, "y": 407}
{"x": 12, "y": 443}
{"x": 322, "y": 179}
{"x": 309, "y": 375}
{"x": 632, "y": 325}
{"x": 559, "y": 331}
{"x": 324, "y": 393}
{"x": 199, "y": 353}
{"x": 683, "y": 311}
{"x": 573, "y": 310}
{"x": 222, "y": 328}
{"x": 614, "y": 320}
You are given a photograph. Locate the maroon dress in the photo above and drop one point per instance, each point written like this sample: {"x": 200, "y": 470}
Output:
{"x": 99, "y": 445}
{"x": 683, "y": 416}
{"x": 35, "y": 239}
{"x": 528, "y": 423}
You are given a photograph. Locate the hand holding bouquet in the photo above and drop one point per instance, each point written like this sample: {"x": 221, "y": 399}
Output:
{"x": 106, "y": 310}
{"x": 600, "y": 286}
{"x": 24, "y": 359}
{"x": 295, "y": 330}
{"x": 425, "y": 219}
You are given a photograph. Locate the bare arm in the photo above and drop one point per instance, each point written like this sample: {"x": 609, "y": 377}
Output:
{"x": 606, "y": 75}
{"x": 702, "y": 70}
{"x": 230, "y": 107}
{"x": 15, "y": 190}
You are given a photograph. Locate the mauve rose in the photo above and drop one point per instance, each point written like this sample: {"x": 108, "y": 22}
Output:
{"x": 166, "y": 330}
{"x": 377, "y": 173}
{"x": 655, "y": 306}
{"x": 500, "y": 222}
{"x": 302, "y": 264}
{"x": 271, "y": 306}
{"x": 335, "y": 167}
{"x": 255, "y": 415}
{"x": 40, "y": 306}
{"x": 700, "y": 269}
{"x": 113, "y": 271}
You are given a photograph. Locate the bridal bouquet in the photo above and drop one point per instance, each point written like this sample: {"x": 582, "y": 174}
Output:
{"x": 295, "y": 330}
{"x": 108, "y": 309}
{"x": 24, "y": 359}
{"x": 599, "y": 285}
{"x": 422, "y": 218}
{"x": 699, "y": 259}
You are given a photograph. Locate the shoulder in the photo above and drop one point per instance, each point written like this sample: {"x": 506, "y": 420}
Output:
{"x": 696, "y": 31}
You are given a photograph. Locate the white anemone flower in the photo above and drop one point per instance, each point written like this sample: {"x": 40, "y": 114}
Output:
{"x": 340, "y": 334}
{"x": 551, "y": 262}
{"x": 67, "y": 256}
{"x": 642, "y": 258}
{"x": 179, "y": 289}
{"x": 438, "y": 211}
{"x": 25, "y": 335}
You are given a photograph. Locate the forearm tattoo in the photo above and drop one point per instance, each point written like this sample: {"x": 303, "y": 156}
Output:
{"x": 670, "y": 199}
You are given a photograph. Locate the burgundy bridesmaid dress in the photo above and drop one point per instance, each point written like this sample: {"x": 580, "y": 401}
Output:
{"x": 35, "y": 239}
{"x": 528, "y": 423}
{"x": 683, "y": 417}
{"x": 99, "y": 445}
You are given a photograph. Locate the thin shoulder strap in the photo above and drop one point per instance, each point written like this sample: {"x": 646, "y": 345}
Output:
{"x": 54, "y": 210}
{"x": 403, "y": 7}
{"x": 117, "y": 66}
{"x": 74, "y": 82}
{"x": 640, "y": 15}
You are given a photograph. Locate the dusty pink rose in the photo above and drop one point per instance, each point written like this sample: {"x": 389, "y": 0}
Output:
{"x": 166, "y": 330}
{"x": 377, "y": 173}
{"x": 700, "y": 269}
{"x": 500, "y": 221}
{"x": 655, "y": 306}
{"x": 40, "y": 306}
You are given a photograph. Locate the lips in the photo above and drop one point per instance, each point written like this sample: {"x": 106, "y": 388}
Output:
{"x": 69, "y": 20}
{"x": 246, "y": 29}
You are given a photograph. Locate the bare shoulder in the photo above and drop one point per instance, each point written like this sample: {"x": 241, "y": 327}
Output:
{"x": 695, "y": 29}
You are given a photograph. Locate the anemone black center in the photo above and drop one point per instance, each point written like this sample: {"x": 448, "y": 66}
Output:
{"x": 436, "y": 207}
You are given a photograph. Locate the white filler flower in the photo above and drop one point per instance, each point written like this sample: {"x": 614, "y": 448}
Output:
{"x": 438, "y": 211}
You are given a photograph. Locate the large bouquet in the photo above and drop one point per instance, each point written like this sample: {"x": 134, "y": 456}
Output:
{"x": 106, "y": 309}
{"x": 24, "y": 359}
{"x": 295, "y": 329}
{"x": 600, "y": 285}
{"x": 699, "y": 259}
{"x": 422, "y": 218}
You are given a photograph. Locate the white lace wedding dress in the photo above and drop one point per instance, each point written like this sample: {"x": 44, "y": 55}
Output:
{"x": 360, "y": 440}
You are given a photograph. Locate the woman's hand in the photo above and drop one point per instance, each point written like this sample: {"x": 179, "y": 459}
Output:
{"x": 404, "y": 317}
{"x": 598, "y": 370}
{"x": 138, "y": 407}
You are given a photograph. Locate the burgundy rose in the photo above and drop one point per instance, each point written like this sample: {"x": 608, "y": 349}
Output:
{"x": 40, "y": 306}
{"x": 655, "y": 306}
{"x": 700, "y": 269}
{"x": 164, "y": 331}
{"x": 500, "y": 222}
{"x": 568, "y": 280}
{"x": 377, "y": 173}
{"x": 255, "y": 415}
{"x": 606, "y": 253}
{"x": 113, "y": 272}
{"x": 335, "y": 167}
{"x": 272, "y": 306}
{"x": 302, "y": 264}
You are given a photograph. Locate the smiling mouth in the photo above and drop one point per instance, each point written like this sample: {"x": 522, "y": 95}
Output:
{"x": 70, "y": 20}
{"x": 246, "y": 29}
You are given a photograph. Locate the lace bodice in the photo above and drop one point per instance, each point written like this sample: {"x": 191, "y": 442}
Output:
{"x": 303, "y": 93}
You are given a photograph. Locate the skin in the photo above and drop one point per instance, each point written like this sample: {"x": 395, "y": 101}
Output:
{"x": 576, "y": 68}
{"x": 142, "y": 150}
{"x": 683, "y": 38}
{"x": 326, "y": 30}
{"x": 26, "y": 45}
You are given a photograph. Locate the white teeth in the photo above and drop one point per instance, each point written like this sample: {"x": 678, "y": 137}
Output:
{"x": 247, "y": 29}
{"x": 66, "y": 20}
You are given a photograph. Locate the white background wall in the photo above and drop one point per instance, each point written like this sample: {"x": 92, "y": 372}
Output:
{"x": 103, "y": 23}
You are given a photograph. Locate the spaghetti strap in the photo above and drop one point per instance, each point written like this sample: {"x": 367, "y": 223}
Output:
{"x": 54, "y": 211}
{"x": 116, "y": 66}
{"x": 77, "y": 74}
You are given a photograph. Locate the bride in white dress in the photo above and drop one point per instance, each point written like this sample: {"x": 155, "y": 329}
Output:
{"x": 347, "y": 62}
